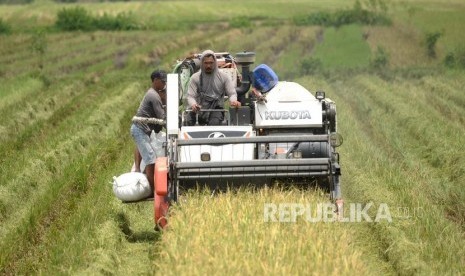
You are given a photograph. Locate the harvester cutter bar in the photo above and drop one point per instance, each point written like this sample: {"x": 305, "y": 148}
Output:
{"x": 253, "y": 168}
{"x": 249, "y": 175}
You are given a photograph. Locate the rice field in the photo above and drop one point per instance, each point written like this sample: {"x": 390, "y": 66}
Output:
{"x": 66, "y": 100}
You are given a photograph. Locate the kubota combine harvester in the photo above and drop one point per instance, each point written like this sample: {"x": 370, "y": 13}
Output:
{"x": 288, "y": 133}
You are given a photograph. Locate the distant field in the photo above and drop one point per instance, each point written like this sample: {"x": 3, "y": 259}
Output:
{"x": 343, "y": 48}
{"x": 67, "y": 98}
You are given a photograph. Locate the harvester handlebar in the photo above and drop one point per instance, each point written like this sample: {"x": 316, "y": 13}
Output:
{"x": 206, "y": 110}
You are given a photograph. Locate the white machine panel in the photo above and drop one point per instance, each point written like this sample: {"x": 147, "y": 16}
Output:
{"x": 172, "y": 100}
{"x": 289, "y": 105}
{"x": 229, "y": 152}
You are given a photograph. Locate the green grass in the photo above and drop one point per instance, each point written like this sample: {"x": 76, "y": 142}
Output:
{"x": 163, "y": 15}
{"x": 448, "y": 23}
{"x": 388, "y": 164}
{"x": 343, "y": 48}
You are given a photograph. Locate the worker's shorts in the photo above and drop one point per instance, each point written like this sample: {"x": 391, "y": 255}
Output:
{"x": 143, "y": 144}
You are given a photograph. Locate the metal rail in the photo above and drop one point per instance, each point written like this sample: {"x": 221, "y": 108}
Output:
{"x": 253, "y": 163}
{"x": 253, "y": 139}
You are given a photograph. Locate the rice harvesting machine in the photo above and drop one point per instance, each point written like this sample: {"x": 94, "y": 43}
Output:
{"x": 287, "y": 133}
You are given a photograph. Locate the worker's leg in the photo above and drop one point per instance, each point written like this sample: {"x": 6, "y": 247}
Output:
{"x": 216, "y": 118}
{"x": 146, "y": 151}
{"x": 191, "y": 118}
{"x": 137, "y": 159}
{"x": 150, "y": 172}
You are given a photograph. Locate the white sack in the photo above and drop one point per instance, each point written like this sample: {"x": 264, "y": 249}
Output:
{"x": 131, "y": 186}
{"x": 157, "y": 140}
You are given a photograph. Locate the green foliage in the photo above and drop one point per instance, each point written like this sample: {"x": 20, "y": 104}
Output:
{"x": 411, "y": 11}
{"x": 431, "y": 38}
{"x": 311, "y": 65}
{"x": 375, "y": 14}
{"x": 449, "y": 60}
{"x": 5, "y": 28}
{"x": 121, "y": 22}
{"x": 78, "y": 18}
{"x": 39, "y": 42}
{"x": 73, "y": 19}
{"x": 240, "y": 22}
{"x": 381, "y": 58}
{"x": 455, "y": 59}
{"x": 16, "y": 2}
{"x": 91, "y": 1}
{"x": 39, "y": 47}
{"x": 317, "y": 18}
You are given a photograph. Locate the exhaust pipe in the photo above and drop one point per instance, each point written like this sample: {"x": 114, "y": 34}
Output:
{"x": 244, "y": 59}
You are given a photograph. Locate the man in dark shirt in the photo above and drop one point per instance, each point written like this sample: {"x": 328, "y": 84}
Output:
{"x": 150, "y": 107}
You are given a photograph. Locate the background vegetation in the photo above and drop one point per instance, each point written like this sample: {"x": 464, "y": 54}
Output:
{"x": 67, "y": 95}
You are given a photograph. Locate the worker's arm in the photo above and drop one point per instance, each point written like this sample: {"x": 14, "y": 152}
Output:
{"x": 231, "y": 92}
{"x": 192, "y": 93}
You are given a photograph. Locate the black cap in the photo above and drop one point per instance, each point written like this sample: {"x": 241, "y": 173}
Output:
{"x": 158, "y": 74}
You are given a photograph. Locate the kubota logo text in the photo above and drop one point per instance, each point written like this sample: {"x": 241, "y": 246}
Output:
{"x": 284, "y": 115}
